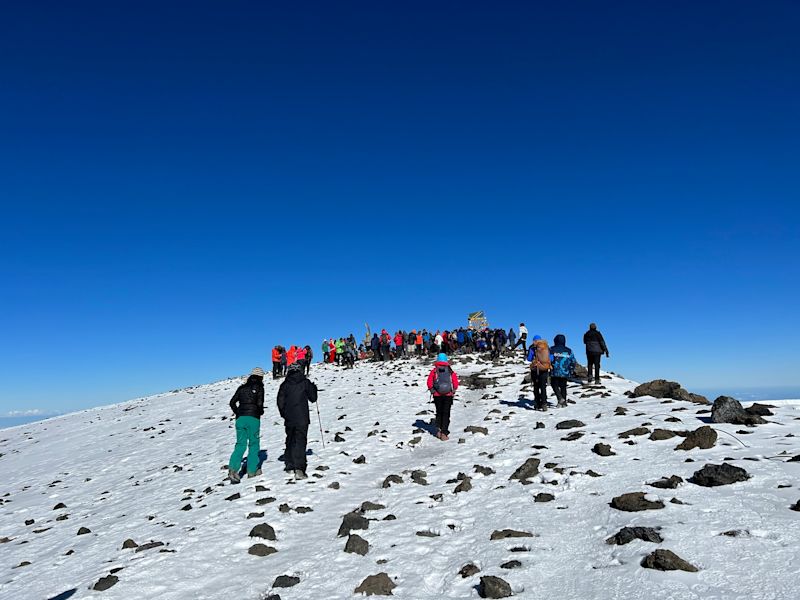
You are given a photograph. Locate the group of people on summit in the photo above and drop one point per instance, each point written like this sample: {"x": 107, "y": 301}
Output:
{"x": 555, "y": 364}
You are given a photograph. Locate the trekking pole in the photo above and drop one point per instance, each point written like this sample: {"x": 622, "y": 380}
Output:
{"x": 319, "y": 420}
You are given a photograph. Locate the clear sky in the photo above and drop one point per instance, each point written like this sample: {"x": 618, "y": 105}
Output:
{"x": 186, "y": 184}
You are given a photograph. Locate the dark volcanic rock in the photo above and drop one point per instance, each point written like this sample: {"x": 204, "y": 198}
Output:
{"x": 468, "y": 570}
{"x": 761, "y": 410}
{"x": 483, "y": 470}
{"x": 634, "y": 431}
{"x": 351, "y": 521}
{"x": 634, "y": 502}
{"x": 729, "y": 410}
{"x": 464, "y": 486}
{"x": 418, "y": 476}
{"x": 666, "y": 560}
{"x": 261, "y": 550}
{"x": 149, "y": 546}
{"x": 526, "y": 470}
{"x": 661, "y": 388}
{"x": 603, "y": 450}
{"x": 476, "y": 429}
{"x": 662, "y": 434}
{"x": 84, "y": 531}
{"x": 715, "y": 475}
{"x": 263, "y": 531}
{"x": 628, "y": 534}
{"x": 285, "y": 581}
{"x": 390, "y": 479}
{"x": 105, "y": 582}
{"x": 570, "y": 424}
{"x": 129, "y": 544}
{"x": 795, "y": 506}
{"x": 544, "y": 497}
{"x": 494, "y": 587}
{"x": 702, "y": 437}
{"x": 667, "y": 483}
{"x": 356, "y": 545}
{"x": 501, "y": 534}
{"x": 512, "y": 564}
{"x": 571, "y": 437}
{"x": 376, "y": 585}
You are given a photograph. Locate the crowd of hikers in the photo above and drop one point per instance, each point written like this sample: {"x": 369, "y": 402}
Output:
{"x": 554, "y": 363}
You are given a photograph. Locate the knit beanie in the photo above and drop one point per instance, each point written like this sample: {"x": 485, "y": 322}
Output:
{"x": 257, "y": 371}
{"x": 442, "y": 357}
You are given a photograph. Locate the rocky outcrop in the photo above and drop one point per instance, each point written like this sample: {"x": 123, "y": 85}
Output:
{"x": 661, "y": 388}
{"x": 730, "y": 410}
{"x": 716, "y": 475}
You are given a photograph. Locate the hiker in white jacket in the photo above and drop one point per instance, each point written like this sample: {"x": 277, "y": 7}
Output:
{"x": 523, "y": 339}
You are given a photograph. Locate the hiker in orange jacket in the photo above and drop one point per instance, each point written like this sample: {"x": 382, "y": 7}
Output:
{"x": 277, "y": 370}
{"x": 291, "y": 355}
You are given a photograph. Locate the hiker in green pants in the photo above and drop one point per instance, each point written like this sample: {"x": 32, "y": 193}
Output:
{"x": 248, "y": 406}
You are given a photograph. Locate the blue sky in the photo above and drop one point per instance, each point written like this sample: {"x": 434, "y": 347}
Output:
{"x": 186, "y": 184}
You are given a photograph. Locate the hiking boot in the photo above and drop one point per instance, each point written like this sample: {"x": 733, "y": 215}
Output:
{"x": 233, "y": 476}
{"x": 256, "y": 474}
{"x": 444, "y": 437}
{"x": 298, "y": 474}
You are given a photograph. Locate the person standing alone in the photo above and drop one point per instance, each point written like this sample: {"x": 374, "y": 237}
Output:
{"x": 442, "y": 383}
{"x": 523, "y": 339}
{"x": 595, "y": 348}
{"x": 248, "y": 406}
{"x": 294, "y": 396}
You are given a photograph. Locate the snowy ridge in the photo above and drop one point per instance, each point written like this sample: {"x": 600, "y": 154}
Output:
{"x": 149, "y": 470}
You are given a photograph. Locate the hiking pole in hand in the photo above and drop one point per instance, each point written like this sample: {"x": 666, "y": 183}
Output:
{"x": 319, "y": 420}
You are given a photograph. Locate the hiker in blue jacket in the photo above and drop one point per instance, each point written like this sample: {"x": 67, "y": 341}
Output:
{"x": 563, "y": 364}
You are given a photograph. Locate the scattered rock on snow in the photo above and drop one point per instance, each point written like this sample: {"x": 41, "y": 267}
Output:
{"x": 666, "y": 560}
{"x": 634, "y": 502}
{"x": 526, "y": 470}
{"x": 84, "y": 531}
{"x": 729, "y": 410}
{"x": 105, "y": 583}
{"x": 716, "y": 475}
{"x": 667, "y": 483}
{"x": 494, "y": 587}
{"x": 501, "y": 534}
{"x": 356, "y": 545}
{"x": 660, "y": 388}
{"x": 367, "y": 506}
{"x": 285, "y": 581}
{"x": 261, "y": 550}
{"x": 761, "y": 410}
{"x": 603, "y": 450}
{"x": 628, "y": 534}
{"x": 376, "y": 585}
{"x": 703, "y": 437}
{"x": 129, "y": 544}
{"x": 662, "y": 434}
{"x": 511, "y": 564}
{"x": 544, "y": 497}
{"x": 391, "y": 479}
{"x": 634, "y": 432}
{"x": 263, "y": 531}
{"x": 476, "y": 429}
{"x": 468, "y": 570}
{"x": 464, "y": 486}
{"x": 570, "y": 424}
{"x": 351, "y": 521}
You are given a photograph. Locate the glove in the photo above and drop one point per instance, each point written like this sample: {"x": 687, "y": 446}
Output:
{"x": 608, "y": 355}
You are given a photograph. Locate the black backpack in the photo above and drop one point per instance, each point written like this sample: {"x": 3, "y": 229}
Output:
{"x": 443, "y": 384}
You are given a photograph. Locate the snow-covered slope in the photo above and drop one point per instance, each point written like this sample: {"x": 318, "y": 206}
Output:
{"x": 150, "y": 471}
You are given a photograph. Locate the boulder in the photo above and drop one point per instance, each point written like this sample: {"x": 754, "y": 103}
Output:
{"x": 356, "y": 545}
{"x": 662, "y": 434}
{"x": 667, "y": 483}
{"x": 635, "y": 431}
{"x": 716, "y": 475}
{"x": 635, "y": 502}
{"x": 603, "y": 450}
{"x": 661, "y": 388}
{"x": 367, "y": 506}
{"x": 511, "y": 564}
{"x": 261, "y": 550}
{"x": 285, "y": 581}
{"x": 761, "y": 410}
{"x": 729, "y": 410}
{"x": 526, "y": 470}
{"x": 502, "y": 534}
{"x": 703, "y": 437}
{"x": 105, "y": 582}
{"x": 351, "y": 521}
{"x": 468, "y": 570}
{"x": 476, "y": 429}
{"x": 376, "y": 585}
{"x": 628, "y": 534}
{"x": 795, "y": 506}
{"x": 666, "y": 560}
{"x": 570, "y": 424}
{"x": 544, "y": 497}
{"x": 390, "y": 479}
{"x": 263, "y": 531}
{"x": 494, "y": 587}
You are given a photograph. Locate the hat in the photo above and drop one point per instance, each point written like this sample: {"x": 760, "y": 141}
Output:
{"x": 537, "y": 337}
{"x": 442, "y": 357}
{"x": 592, "y": 326}
{"x": 258, "y": 371}
{"x": 295, "y": 366}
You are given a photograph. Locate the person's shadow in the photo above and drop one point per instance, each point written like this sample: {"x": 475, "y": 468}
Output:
{"x": 425, "y": 425}
{"x": 522, "y": 402}
{"x": 262, "y": 456}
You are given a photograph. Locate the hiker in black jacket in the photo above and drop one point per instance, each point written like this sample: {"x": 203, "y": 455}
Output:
{"x": 595, "y": 348}
{"x": 293, "y": 397}
{"x": 248, "y": 406}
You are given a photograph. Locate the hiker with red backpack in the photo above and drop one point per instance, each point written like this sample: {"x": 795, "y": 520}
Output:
{"x": 442, "y": 383}
{"x": 539, "y": 355}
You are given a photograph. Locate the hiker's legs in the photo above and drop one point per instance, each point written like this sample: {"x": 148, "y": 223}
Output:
{"x": 559, "y": 385}
{"x": 253, "y": 443}
{"x": 235, "y": 462}
{"x": 593, "y": 363}
{"x": 443, "y": 404}
{"x": 287, "y": 453}
{"x": 541, "y": 387}
{"x": 297, "y": 451}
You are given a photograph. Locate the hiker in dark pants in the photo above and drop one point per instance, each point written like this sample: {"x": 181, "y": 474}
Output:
{"x": 595, "y": 348}
{"x": 442, "y": 383}
{"x": 523, "y": 339}
{"x": 309, "y": 358}
{"x": 248, "y": 406}
{"x": 540, "y": 369}
{"x": 293, "y": 397}
{"x": 563, "y": 365}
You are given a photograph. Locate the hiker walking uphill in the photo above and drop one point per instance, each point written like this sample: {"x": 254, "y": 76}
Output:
{"x": 595, "y": 348}
{"x": 539, "y": 355}
{"x": 277, "y": 369}
{"x": 523, "y": 338}
{"x": 293, "y": 397}
{"x": 248, "y": 406}
{"x": 442, "y": 383}
{"x": 563, "y": 367}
